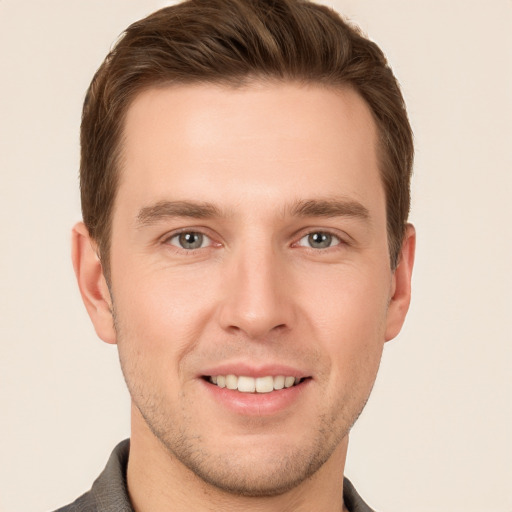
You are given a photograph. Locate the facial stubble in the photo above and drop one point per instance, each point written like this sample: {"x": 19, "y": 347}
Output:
{"x": 273, "y": 475}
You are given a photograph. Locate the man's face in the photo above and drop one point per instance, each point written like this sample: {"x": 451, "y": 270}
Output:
{"x": 249, "y": 240}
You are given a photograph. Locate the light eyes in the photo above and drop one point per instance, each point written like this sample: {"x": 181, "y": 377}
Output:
{"x": 192, "y": 240}
{"x": 319, "y": 240}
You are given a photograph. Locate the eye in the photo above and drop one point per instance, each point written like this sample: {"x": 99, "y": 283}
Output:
{"x": 189, "y": 240}
{"x": 319, "y": 240}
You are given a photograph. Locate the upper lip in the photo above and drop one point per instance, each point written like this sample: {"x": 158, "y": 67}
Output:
{"x": 254, "y": 370}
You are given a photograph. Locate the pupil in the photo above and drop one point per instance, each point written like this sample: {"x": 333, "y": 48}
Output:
{"x": 320, "y": 240}
{"x": 191, "y": 240}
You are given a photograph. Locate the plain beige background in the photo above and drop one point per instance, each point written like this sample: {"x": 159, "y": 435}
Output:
{"x": 437, "y": 433}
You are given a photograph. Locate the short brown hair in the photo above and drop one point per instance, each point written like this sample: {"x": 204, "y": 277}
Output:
{"x": 232, "y": 42}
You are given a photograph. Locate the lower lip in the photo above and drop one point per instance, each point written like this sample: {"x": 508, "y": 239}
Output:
{"x": 257, "y": 404}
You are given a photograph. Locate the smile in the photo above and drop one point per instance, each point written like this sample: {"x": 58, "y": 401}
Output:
{"x": 245, "y": 384}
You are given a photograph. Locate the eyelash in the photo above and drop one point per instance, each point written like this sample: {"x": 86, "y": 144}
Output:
{"x": 336, "y": 239}
{"x": 325, "y": 236}
{"x": 331, "y": 237}
{"x": 185, "y": 232}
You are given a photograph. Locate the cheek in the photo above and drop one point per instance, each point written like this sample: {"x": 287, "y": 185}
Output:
{"x": 159, "y": 319}
{"x": 163, "y": 298}
{"x": 348, "y": 318}
{"x": 349, "y": 304}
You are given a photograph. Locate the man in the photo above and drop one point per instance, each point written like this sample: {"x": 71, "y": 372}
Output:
{"x": 245, "y": 190}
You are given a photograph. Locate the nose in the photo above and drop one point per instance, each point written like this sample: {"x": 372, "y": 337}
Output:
{"x": 257, "y": 294}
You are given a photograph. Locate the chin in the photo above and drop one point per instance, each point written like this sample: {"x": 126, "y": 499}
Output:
{"x": 260, "y": 471}
{"x": 256, "y": 478}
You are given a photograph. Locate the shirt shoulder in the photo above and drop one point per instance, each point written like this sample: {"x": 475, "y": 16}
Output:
{"x": 352, "y": 500}
{"x": 109, "y": 492}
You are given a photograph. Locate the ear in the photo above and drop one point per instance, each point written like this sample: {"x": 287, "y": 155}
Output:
{"x": 92, "y": 283}
{"x": 401, "y": 285}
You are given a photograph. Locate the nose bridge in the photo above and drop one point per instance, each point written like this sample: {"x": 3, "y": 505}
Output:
{"x": 256, "y": 300}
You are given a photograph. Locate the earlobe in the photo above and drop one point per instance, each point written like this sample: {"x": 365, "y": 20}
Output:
{"x": 92, "y": 283}
{"x": 401, "y": 285}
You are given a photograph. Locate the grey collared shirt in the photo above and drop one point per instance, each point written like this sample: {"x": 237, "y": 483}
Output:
{"x": 109, "y": 492}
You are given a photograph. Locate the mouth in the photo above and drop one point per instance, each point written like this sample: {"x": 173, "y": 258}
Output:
{"x": 245, "y": 384}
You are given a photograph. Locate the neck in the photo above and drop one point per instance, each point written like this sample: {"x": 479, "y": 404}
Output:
{"x": 157, "y": 481}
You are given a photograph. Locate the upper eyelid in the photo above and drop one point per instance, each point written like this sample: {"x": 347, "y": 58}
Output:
{"x": 178, "y": 233}
{"x": 209, "y": 243}
{"x": 194, "y": 229}
{"x": 343, "y": 236}
{"x": 340, "y": 240}
{"x": 323, "y": 231}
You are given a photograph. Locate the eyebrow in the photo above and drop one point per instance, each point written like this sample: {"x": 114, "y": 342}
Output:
{"x": 203, "y": 210}
{"x": 168, "y": 209}
{"x": 329, "y": 208}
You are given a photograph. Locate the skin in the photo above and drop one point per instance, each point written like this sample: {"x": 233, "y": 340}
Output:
{"x": 274, "y": 163}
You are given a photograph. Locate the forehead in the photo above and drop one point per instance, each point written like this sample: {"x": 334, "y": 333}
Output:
{"x": 229, "y": 143}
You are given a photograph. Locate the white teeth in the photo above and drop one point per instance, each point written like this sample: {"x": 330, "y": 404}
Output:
{"x": 289, "y": 382}
{"x": 264, "y": 384}
{"x": 279, "y": 382}
{"x": 250, "y": 384}
{"x": 231, "y": 381}
{"x": 246, "y": 384}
